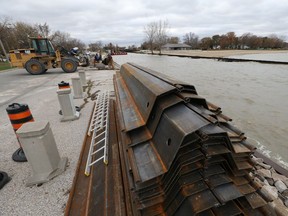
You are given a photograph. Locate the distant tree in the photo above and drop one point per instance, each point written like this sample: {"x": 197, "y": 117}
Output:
{"x": 224, "y": 42}
{"x": 64, "y": 40}
{"x": 216, "y": 41}
{"x": 132, "y": 48}
{"x": 151, "y": 32}
{"x": 98, "y": 45}
{"x": 161, "y": 34}
{"x": 4, "y": 23}
{"x": 59, "y": 38}
{"x": 206, "y": 43}
{"x": 232, "y": 40}
{"x": 244, "y": 40}
{"x": 110, "y": 46}
{"x": 22, "y": 31}
{"x": 156, "y": 34}
{"x": 255, "y": 42}
{"x": 276, "y": 42}
{"x": 74, "y": 42}
{"x": 191, "y": 39}
{"x": 43, "y": 30}
{"x": 173, "y": 40}
{"x": 145, "y": 45}
{"x": 5, "y": 33}
{"x": 16, "y": 35}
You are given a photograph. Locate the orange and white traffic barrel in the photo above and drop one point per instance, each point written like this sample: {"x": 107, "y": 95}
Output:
{"x": 18, "y": 115}
{"x": 63, "y": 85}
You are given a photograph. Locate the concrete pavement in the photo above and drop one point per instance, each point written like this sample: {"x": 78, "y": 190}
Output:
{"x": 39, "y": 92}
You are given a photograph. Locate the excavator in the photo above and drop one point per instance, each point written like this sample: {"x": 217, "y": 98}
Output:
{"x": 42, "y": 56}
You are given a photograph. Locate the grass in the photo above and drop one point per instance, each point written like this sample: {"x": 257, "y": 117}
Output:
{"x": 4, "y": 66}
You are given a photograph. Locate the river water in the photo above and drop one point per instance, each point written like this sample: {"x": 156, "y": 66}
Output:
{"x": 254, "y": 95}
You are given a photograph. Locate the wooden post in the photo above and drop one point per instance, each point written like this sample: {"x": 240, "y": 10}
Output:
{"x": 7, "y": 58}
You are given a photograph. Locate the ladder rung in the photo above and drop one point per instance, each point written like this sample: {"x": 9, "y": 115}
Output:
{"x": 97, "y": 143}
{"x": 103, "y": 132}
{"x": 98, "y": 150}
{"x": 96, "y": 161}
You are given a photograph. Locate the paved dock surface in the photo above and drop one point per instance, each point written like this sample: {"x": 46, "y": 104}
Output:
{"x": 39, "y": 92}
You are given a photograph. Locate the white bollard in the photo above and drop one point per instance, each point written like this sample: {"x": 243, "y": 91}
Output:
{"x": 67, "y": 105}
{"x": 77, "y": 88}
{"x": 41, "y": 152}
{"x": 82, "y": 75}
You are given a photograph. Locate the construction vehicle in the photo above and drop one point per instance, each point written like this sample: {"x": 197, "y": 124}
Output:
{"x": 42, "y": 56}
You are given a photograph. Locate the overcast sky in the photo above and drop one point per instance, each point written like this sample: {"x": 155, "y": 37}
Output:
{"x": 122, "y": 21}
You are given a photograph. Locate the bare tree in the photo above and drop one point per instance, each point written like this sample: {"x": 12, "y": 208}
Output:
{"x": 151, "y": 32}
{"x": 161, "y": 34}
{"x": 173, "y": 40}
{"x": 4, "y": 23}
{"x": 191, "y": 39}
{"x": 4, "y": 35}
{"x": 95, "y": 46}
{"x": 43, "y": 30}
{"x": 22, "y": 31}
{"x": 64, "y": 40}
{"x": 59, "y": 38}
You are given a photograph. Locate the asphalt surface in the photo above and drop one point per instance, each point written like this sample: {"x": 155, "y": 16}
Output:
{"x": 40, "y": 93}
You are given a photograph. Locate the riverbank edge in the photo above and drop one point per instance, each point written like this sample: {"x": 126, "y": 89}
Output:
{"x": 217, "y": 53}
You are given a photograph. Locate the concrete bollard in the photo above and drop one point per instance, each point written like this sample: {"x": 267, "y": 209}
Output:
{"x": 67, "y": 105}
{"x": 82, "y": 75}
{"x": 41, "y": 151}
{"x": 77, "y": 88}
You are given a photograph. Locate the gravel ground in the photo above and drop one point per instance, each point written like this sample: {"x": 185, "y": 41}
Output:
{"x": 50, "y": 198}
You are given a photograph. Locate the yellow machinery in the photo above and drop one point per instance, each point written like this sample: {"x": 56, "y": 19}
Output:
{"x": 41, "y": 57}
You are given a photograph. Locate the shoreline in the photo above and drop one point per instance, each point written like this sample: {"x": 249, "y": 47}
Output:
{"x": 218, "y": 53}
{"x": 225, "y": 55}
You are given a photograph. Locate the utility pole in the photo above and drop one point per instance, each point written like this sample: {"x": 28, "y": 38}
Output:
{"x": 1, "y": 44}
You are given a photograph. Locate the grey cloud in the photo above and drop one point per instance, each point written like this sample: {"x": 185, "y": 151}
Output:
{"x": 122, "y": 21}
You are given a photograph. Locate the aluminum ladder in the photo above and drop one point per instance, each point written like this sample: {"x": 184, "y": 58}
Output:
{"x": 99, "y": 127}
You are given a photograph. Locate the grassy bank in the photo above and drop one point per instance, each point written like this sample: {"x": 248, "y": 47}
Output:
{"x": 4, "y": 66}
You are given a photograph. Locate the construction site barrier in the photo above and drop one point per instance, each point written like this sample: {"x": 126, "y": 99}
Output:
{"x": 63, "y": 85}
{"x": 18, "y": 115}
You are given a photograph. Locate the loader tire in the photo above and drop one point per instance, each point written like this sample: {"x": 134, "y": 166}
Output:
{"x": 35, "y": 67}
{"x": 69, "y": 65}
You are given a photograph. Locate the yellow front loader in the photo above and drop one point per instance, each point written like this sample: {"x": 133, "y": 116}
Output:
{"x": 41, "y": 57}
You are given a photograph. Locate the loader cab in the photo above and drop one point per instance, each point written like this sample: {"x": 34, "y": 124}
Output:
{"x": 42, "y": 46}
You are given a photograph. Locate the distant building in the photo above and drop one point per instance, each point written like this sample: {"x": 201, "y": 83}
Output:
{"x": 176, "y": 47}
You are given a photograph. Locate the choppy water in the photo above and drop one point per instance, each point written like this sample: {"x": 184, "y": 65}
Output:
{"x": 254, "y": 95}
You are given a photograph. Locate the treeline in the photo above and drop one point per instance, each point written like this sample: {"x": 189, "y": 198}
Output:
{"x": 157, "y": 35}
{"x": 15, "y": 35}
{"x": 231, "y": 41}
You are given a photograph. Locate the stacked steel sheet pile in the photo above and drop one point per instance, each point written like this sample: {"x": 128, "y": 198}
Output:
{"x": 179, "y": 153}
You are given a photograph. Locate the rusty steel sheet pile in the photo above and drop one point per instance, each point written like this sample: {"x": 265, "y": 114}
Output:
{"x": 179, "y": 154}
